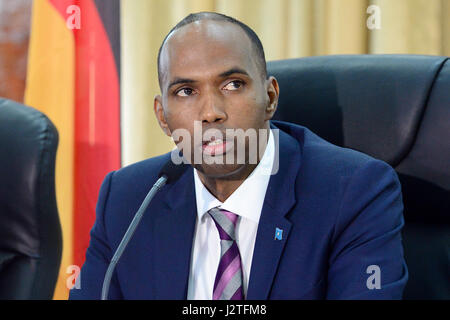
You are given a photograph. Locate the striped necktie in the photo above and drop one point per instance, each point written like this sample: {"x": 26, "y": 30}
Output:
{"x": 228, "y": 283}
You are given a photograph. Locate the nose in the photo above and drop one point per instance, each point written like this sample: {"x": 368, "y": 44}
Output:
{"x": 212, "y": 108}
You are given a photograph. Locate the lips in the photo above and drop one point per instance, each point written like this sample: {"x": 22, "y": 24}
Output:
{"x": 215, "y": 147}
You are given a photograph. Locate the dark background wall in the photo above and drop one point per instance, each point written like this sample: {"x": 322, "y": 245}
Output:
{"x": 15, "y": 19}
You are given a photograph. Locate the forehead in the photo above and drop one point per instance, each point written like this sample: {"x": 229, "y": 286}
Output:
{"x": 205, "y": 48}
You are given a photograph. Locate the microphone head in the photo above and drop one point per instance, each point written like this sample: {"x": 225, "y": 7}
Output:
{"x": 172, "y": 171}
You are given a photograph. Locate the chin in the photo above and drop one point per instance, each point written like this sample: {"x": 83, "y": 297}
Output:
{"x": 222, "y": 171}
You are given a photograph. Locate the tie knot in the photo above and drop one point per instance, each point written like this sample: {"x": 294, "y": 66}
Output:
{"x": 225, "y": 222}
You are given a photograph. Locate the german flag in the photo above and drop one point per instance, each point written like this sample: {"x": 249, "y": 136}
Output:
{"x": 74, "y": 78}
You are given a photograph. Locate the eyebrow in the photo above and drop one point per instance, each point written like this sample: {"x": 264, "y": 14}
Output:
{"x": 180, "y": 80}
{"x": 233, "y": 71}
{"x": 222, "y": 75}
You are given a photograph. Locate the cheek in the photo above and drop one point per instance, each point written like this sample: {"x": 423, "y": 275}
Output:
{"x": 178, "y": 116}
{"x": 250, "y": 110}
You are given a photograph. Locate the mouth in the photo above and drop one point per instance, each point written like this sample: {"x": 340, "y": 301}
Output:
{"x": 215, "y": 147}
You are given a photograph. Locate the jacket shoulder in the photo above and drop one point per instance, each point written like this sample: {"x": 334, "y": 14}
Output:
{"x": 142, "y": 174}
{"x": 324, "y": 157}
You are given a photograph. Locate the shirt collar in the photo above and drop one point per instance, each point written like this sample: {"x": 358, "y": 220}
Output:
{"x": 248, "y": 199}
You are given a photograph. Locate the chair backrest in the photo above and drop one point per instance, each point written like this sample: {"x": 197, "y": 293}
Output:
{"x": 30, "y": 231}
{"x": 395, "y": 108}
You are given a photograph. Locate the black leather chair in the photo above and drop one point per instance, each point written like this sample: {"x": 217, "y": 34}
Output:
{"x": 30, "y": 232}
{"x": 395, "y": 108}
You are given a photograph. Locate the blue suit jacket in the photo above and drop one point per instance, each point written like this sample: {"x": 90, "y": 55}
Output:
{"x": 340, "y": 212}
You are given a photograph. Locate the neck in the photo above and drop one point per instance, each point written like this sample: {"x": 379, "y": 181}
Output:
{"x": 222, "y": 188}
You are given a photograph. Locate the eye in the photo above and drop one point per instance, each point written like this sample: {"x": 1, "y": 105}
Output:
{"x": 234, "y": 85}
{"x": 184, "y": 92}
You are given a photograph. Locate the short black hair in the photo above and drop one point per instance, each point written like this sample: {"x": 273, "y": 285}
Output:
{"x": 193, "y": 17}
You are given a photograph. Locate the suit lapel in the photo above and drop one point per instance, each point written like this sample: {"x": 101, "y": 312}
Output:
{"x": 279, "y": 200}
{"x": 173, "y": 237}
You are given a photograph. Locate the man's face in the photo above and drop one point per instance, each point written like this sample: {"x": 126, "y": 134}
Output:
{"x": 209, "y": 73}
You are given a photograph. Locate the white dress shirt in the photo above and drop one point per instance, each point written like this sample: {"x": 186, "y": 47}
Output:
{"x": 247, "y": 202}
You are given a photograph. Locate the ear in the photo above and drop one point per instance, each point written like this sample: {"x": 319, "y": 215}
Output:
{"x": 273, "y": 91}
{"x": 160, "y": 116}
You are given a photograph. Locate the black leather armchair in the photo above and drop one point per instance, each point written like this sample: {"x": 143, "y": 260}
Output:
{"x": 395, "y": 108}
{"x": 30, "y": 232}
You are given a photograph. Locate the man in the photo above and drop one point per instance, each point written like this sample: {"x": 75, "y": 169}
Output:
{"x": 325, "y": 225}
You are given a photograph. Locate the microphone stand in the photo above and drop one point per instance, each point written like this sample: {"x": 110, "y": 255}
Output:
{"x": 129, "y": 233}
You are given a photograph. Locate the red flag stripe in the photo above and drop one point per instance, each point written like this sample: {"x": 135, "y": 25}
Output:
{"x": 97, "y": 116}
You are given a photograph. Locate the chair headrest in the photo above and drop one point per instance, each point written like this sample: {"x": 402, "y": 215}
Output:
{"x": 393, "y": 107}
{"x": 28, "y": 142}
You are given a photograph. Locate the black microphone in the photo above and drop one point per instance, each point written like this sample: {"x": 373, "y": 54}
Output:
{"x": 169, "y": 173}
{"x": 172, "y": 171}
